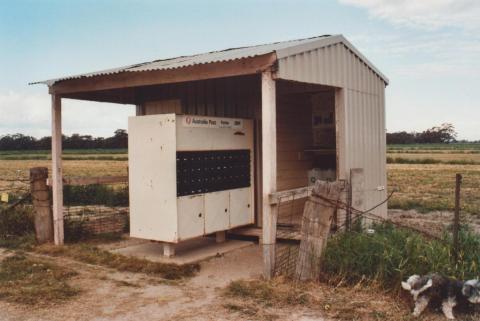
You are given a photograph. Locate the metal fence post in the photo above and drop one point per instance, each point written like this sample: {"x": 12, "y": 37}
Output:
{"x": 456, "y": 219}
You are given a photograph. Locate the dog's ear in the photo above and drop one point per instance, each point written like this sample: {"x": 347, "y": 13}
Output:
{"x": 406, "y": 286}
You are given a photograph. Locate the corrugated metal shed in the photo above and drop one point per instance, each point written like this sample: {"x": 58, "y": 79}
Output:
{"x": 361, "y": 122}
{"x": 281, "y": 49}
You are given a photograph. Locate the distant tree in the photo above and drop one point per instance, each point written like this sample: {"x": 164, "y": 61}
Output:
{"x": 75, "y": 141}
{"x": 445, "y": 133}
{"x": 17, "y": 141}
{"x": 400, "y": 138}
{"x": 118, "y": 140}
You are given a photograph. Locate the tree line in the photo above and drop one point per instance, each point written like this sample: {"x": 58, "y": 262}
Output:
{"x": 75, "y": 141}
{"x": 445, "y": 133}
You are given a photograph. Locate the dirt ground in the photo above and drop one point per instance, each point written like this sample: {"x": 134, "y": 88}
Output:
{"x": 433, "y": 222}
{"x": 107, "y": 294}
{"x": 111, "y": 295}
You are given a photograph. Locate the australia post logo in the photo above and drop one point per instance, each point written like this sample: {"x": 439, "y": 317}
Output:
{"x": 206, "y": 122}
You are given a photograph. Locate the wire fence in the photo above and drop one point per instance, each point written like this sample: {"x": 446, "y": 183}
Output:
{"x": 347, "y": 219}
{"x": 97, "y": 208}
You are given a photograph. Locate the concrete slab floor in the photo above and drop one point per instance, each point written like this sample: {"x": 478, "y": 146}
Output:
{"x": 186, "y": 252}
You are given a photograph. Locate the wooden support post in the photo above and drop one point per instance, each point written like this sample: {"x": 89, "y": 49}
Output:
{"x": 57, "y": 183}
{"x": 456, "y": 219}
{"x": 221, "y": 237}
{"x": 357, "y": 193}
{"x": 343, "y": 215}
{"x": 41, "y": 204}
{"x": 168, "y": 249}
{"x": 269, "y": 172}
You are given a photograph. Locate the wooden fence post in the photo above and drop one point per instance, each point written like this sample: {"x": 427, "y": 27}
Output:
{"x": 456, "y": 218}
{"x": 41, "y": 203}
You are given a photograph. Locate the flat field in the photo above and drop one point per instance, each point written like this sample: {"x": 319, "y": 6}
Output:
{"x": 419, "y": 185}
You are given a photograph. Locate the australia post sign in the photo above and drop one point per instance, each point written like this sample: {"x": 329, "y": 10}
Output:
{"x": 211, "y": 122}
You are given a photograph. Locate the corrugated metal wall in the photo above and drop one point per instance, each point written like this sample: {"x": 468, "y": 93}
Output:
{"x": 363, "y": 126}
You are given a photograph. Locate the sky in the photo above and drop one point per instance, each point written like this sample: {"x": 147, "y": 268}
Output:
{"x": 429, "y": 49}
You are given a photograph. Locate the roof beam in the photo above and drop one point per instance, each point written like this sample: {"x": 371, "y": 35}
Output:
{"x": 155, "y": 77}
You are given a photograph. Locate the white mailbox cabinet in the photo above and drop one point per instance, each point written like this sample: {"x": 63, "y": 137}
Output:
{"x": 189, "y": 175}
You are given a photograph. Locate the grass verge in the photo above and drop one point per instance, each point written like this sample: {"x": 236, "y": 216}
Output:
{"x": 402, "y": 160}
{"x": 391, "y": 254}
{"x": 33, "y": 282}
{"x": 92, "y": 254}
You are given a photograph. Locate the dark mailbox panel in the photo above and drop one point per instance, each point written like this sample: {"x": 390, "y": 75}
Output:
{"x": 210, "y": 171}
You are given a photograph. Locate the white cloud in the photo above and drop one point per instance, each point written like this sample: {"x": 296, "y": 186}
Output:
{"x": 30, "y": 114}
{"x": 423, "y": 55}
{"x": 429, "y": 14}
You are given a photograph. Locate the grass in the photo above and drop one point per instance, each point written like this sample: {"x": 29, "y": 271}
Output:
{"x": 34, "y": 282}
{"x": 427, "y": 187}
{"x": 456, "y": 146}
{"x": 269, "y": 293}
{"x": 16, "y": 221}
{"x": 68, "y": 154}
{"x": 14, "y": 169}
{"x": 65, "y": 157}
{"x": 416, "y": 160}
{"x": 391, "y": 254}
{"x": 92, "y": 254}
{"x": 66, "y": 151}
{"x": 96, "y": 194}
{"x": 281, "y": 298}
{"x": 256, "y": 297}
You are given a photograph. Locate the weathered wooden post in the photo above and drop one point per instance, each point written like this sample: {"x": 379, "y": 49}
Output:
{"x": 316, "y": 223}
{"x": 269, "y": 172}
{"x": 41, "y": 203}
{"x": 357, "y": 194}
{"x": 456, "y": 219}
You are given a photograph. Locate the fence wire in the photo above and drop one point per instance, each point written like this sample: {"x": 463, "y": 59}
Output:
{"x": 290, "y": 219}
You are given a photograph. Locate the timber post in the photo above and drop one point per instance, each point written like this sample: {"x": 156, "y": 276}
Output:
{"x": 57, "y": 176}
{"x": 357, "y": 195}
{"x": 41, "y": 204}
{"x": 269, "y": 172}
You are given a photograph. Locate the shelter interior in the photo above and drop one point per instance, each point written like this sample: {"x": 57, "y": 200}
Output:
{"x": 306, "y": 131}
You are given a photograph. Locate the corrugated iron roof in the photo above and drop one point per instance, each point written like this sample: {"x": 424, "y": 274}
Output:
{"x": 281, "y": 48}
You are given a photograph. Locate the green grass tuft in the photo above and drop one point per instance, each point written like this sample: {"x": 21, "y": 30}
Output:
{"x": 391, "y": 254}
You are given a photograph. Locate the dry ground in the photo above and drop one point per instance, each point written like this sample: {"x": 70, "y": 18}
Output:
{"x": 107, "y": 294}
